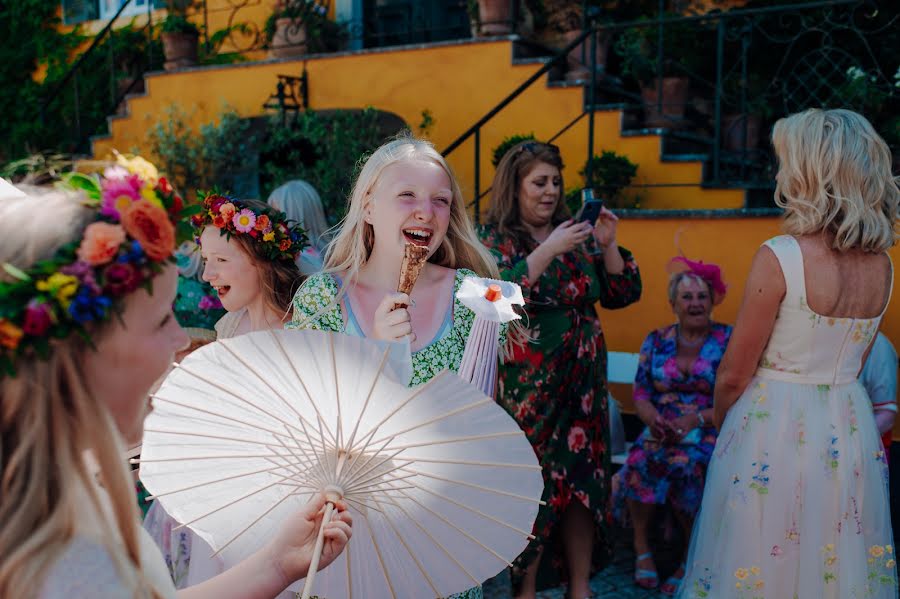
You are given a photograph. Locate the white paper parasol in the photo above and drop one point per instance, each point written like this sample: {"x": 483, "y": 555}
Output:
{"x": 492, "y": 301}
{"x": 442, "y": 484}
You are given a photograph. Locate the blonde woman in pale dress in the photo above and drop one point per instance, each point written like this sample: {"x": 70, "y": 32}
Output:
{"x": 796, "y": 500}
{"x": 68, "y": 519}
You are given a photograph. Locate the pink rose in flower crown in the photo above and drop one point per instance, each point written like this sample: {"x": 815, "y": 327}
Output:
{"x": 227, "y": 210}
{"x": 38, "y": 318}
{"x": 101, "y": 243}
{"x": 119, "y": 194}
{"x": 150, "y": 226}
{"x": 120, "y": 278}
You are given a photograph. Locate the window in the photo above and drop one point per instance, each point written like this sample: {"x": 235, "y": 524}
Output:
{"x": 108, "y": 8}
{"x": 77, "y": 11}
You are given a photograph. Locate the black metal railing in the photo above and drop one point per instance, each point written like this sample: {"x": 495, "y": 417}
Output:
{"x": 742, "y": 69}
{"x": 77, "y": 105}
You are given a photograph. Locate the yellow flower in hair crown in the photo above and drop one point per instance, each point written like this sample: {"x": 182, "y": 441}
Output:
{"x": 139, "y": 221}
{"x": 278, "y": 237}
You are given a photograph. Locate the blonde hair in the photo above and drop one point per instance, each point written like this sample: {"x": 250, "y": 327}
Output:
{"x": 301, "y": 203}
{"x": 190, "y": 261}
{"x": 352, "y": 246}
{"x": 49, "y": 421}
{"x": 835, "y": 176}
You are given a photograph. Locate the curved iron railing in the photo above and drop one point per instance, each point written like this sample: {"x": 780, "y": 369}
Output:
{"x": 760, "y": 64}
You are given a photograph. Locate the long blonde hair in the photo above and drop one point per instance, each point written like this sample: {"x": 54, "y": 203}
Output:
{"x": 835, "y": 176}
{"x": 352, "y": 246}
{"x": 301, "y": 203}
{"x": 49, "y": 421}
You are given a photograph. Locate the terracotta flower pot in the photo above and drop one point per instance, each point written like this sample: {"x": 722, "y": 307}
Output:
{"x": 180, "y": 49}
{"x": 289, "y": 39}
{"x": 733, "y": 132}
{"x": 494, "y": 17}
{"x": 674, "y": 99}
{"x": 578, "y": 70}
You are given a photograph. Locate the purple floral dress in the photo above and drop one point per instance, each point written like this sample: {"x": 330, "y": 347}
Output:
{"x": 673, "y": 474}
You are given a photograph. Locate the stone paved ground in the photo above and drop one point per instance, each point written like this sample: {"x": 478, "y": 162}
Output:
{"x": 613, "y": 582}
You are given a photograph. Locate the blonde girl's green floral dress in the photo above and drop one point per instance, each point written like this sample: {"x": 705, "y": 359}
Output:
{"x": 796, "y": 500}
{"x": 315, "y": 308}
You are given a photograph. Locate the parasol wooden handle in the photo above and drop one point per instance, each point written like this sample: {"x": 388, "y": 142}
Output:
{"x": 320, "y": 542}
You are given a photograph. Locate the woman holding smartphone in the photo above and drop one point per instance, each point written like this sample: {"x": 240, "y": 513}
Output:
{"x": 555, "y": 385}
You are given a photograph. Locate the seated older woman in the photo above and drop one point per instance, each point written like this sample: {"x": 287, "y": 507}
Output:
{"x": 673, "y": 396}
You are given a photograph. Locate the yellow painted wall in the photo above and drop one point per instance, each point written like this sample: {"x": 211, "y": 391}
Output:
{"x": 728, "y": 242}
{"x": 220, "y": 14}
{"x": 457, "y": 83}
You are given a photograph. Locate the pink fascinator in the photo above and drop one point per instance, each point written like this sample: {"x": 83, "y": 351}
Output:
{"x": 711, "y": 273}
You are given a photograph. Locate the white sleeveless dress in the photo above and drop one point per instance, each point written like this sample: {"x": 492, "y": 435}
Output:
{"x": 796, "y": 500}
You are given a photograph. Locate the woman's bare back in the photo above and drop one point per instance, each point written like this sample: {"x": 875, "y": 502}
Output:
{"x": 851, "y": 284}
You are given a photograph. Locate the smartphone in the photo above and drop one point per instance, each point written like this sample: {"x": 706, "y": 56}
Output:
{"x": 589, "y": 211}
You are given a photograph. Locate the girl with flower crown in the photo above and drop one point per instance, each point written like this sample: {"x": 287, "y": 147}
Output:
{"x": 405, "y": 194}
{"x": 86, "y": 328}
{"x": 249, "y": 251}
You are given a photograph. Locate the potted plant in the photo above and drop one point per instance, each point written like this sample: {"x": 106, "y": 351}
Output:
{"x": 610, "y": 174}
{"x": 179, "y": 36}
{"x": 746, "y": 107}
{"x": 288, "y": 27}
{"x": 664, "y": 84}
{"x": 490, "y": 17}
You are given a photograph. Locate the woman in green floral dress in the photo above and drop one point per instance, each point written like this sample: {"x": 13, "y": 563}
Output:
{"x": 405, "y": 194}
{"x": 555, "y": 386}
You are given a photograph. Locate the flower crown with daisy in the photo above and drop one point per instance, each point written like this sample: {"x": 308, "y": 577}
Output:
{"x": 138, "y": 223}
{"x": 275, "y": 236}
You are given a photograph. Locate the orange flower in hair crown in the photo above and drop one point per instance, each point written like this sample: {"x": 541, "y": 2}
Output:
{"x": 277, "y": 237}
{"x": 139, "y": 220}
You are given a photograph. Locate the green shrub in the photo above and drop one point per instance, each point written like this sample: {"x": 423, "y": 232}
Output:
{"x": 214, "y": 155}
{"x": 610, "y": 174}
{"x": 251, "y": 157}
{"x": 324, "y": 149}
{"x": 504, "y": 146}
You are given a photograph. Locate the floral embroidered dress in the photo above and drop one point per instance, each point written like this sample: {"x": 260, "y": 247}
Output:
{"x": 672, "y": 474}
{"x": 555, "y": 387}
{"x": 315, "y": 308}
{"x": 796, "y": 499}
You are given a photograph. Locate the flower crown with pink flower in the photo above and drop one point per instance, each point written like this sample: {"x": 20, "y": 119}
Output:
{"x": 139, "y": 222}
{"x": 277, "y": 237}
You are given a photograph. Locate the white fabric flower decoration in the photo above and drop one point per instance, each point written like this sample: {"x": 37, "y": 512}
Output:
{"x": 481, "y": 296}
